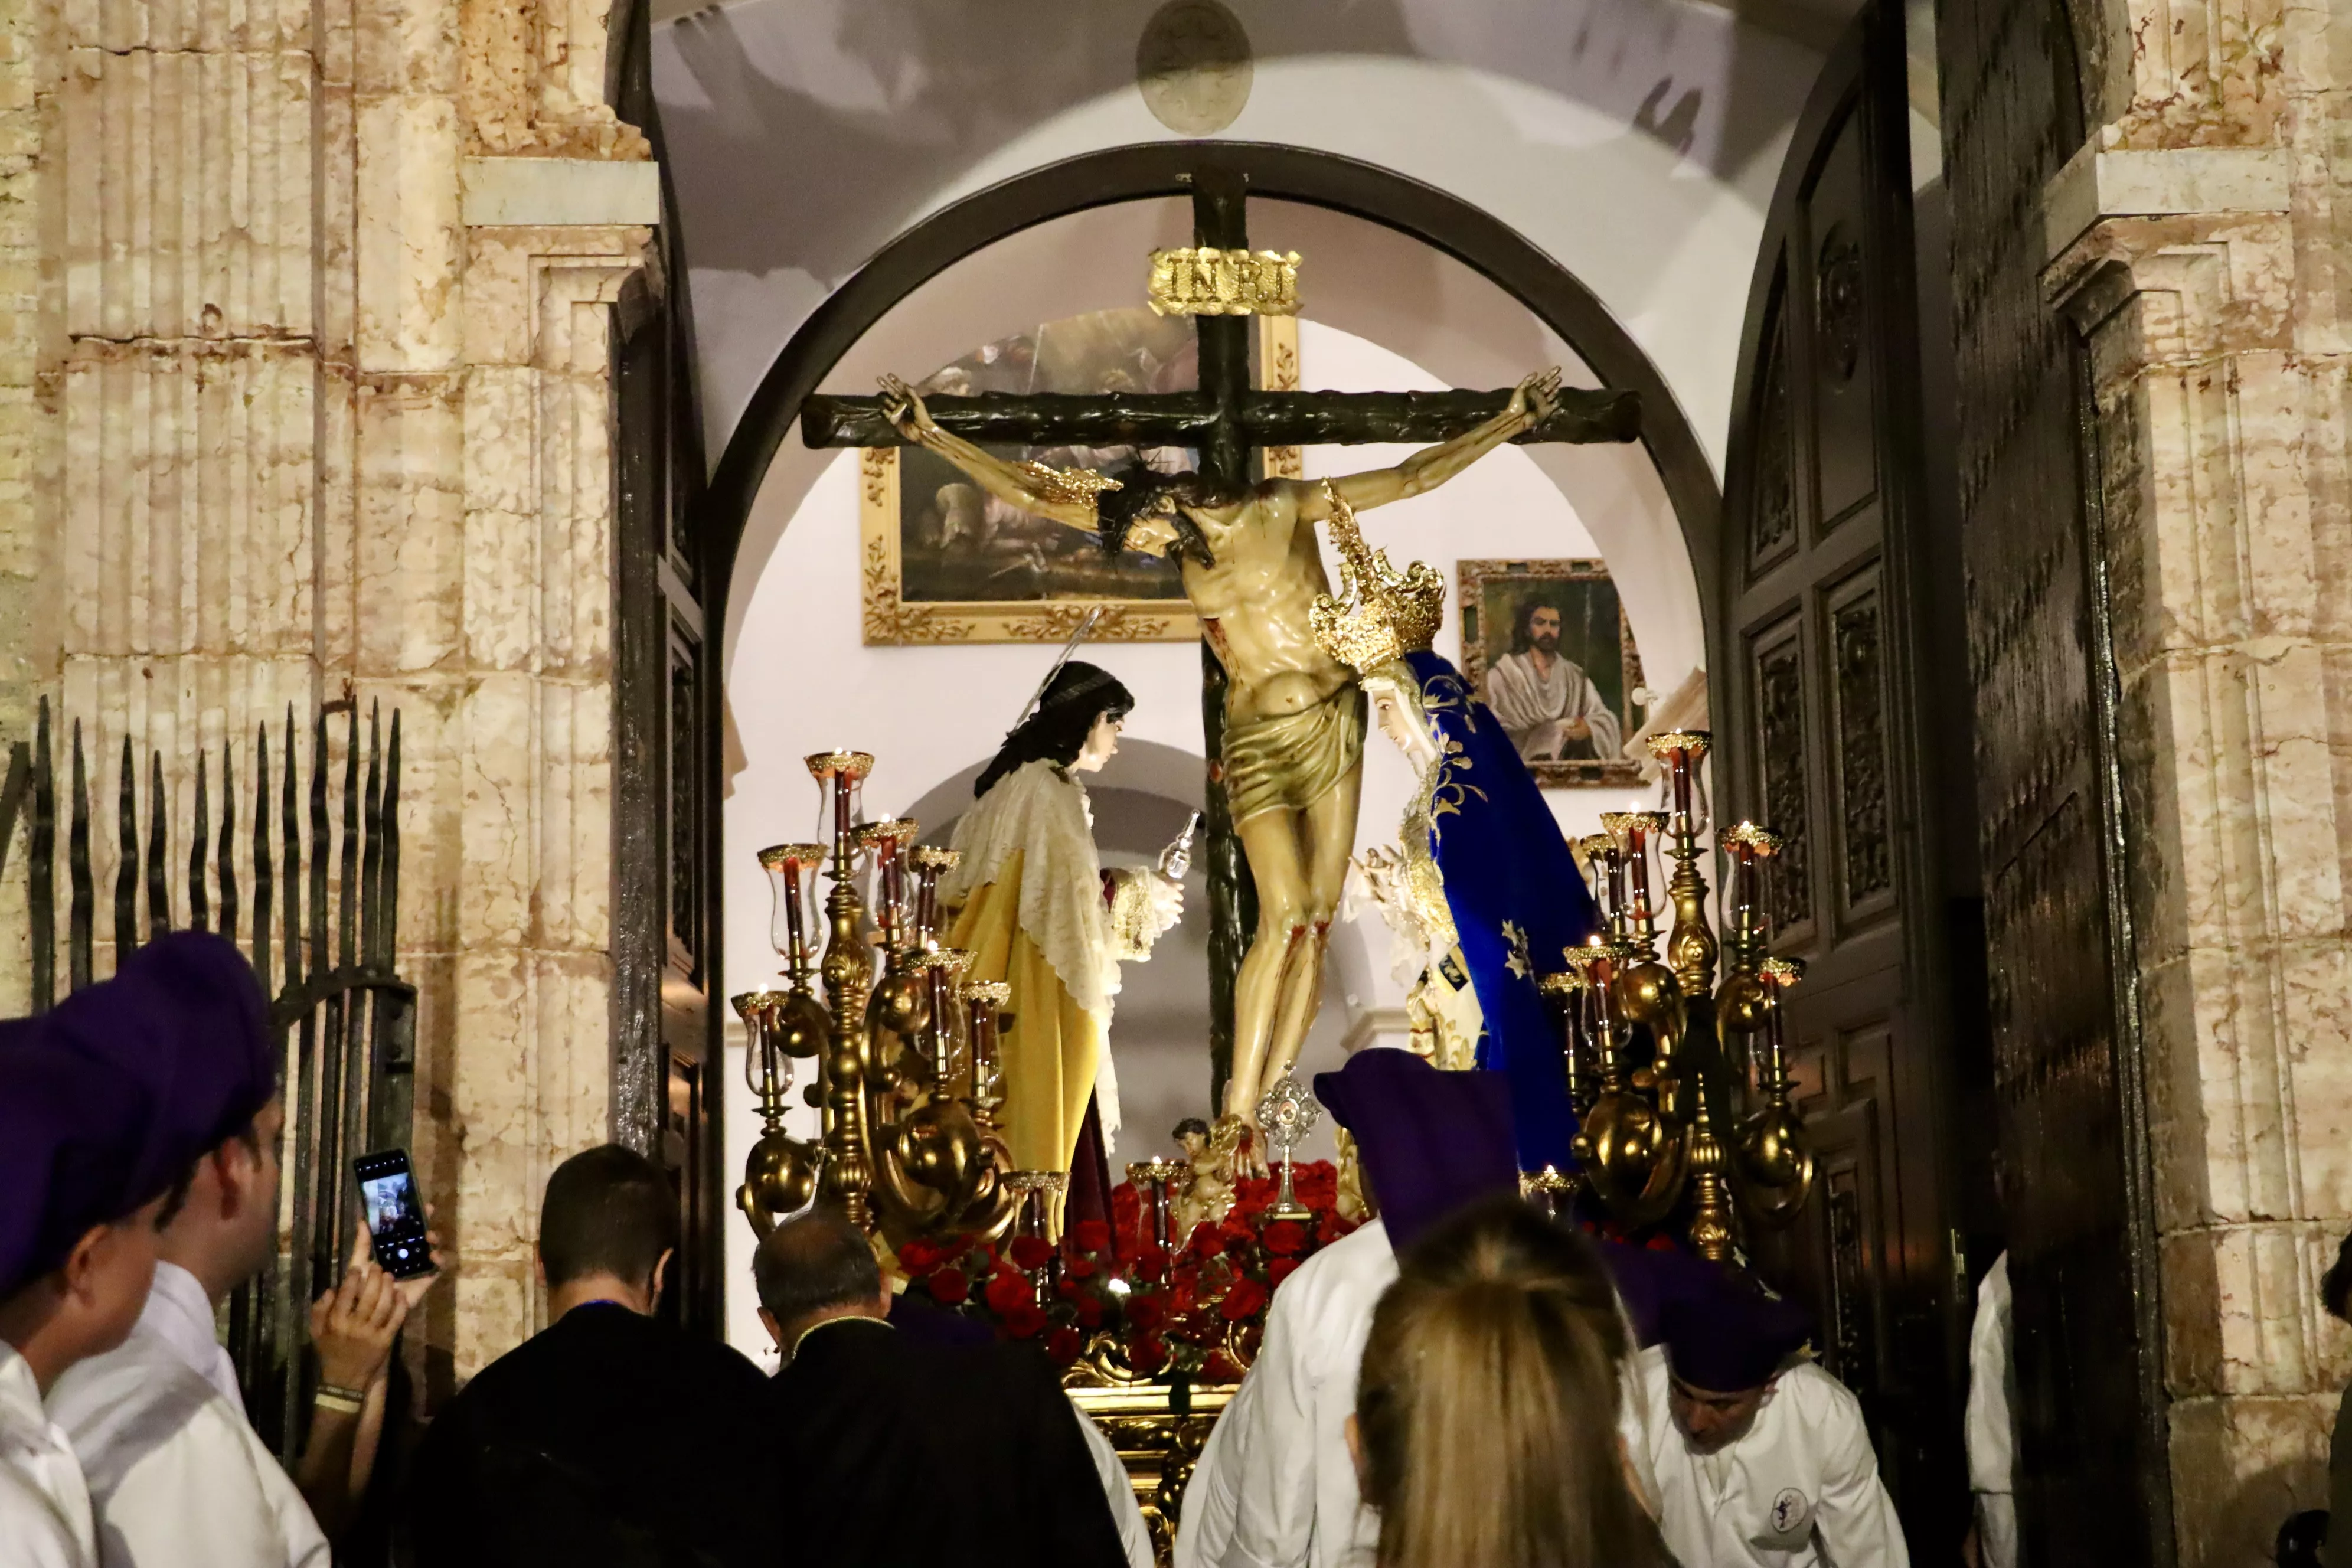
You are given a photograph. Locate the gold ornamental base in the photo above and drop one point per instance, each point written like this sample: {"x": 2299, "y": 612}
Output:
{"x": 1157, "y": 1442}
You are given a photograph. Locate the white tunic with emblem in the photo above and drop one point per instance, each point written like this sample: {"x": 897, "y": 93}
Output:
{"x": 177, "y": 1476}
{"x": 1274, "y": 1486}
{"x": 1801, "y": 1489}
{"x": 44, "y": 1506}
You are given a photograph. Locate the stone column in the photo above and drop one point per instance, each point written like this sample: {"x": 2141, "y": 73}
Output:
{"x": 521, "y": 691}
{"x": 2196, "y": 246}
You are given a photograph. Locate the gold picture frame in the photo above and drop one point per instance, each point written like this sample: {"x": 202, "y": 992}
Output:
{"x": 891, "y": 619}
{"x": 1595, "y": 635}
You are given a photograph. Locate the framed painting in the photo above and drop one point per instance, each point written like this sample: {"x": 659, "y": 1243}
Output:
{"x": 1546, "y": 647}
{"x": 939, "y": 562}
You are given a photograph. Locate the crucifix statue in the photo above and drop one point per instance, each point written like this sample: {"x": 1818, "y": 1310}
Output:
{"x": 1285, "y": 722}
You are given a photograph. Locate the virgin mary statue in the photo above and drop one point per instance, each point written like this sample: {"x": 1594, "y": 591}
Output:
{"x": 1478, "y": 833}
{"x": 1030, "y": 900}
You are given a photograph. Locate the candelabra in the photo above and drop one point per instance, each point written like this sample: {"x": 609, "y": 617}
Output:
{"x": 909, "y": 1083}
{"x": 1651, "y": 1038}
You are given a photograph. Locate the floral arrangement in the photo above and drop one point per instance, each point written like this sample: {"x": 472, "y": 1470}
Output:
{"x": 1110, "y": 1294}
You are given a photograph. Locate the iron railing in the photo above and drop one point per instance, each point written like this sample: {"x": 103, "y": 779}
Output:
{"x": 344, "y": 1020}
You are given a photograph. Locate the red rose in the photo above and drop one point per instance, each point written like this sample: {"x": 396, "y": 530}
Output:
{"x": 1024, "y": 1322}
{"x": 1067, "y": 1288}
{"x": 1280, "y": 1270}
{"x": 1220, "y": 1368}
{"x": 1030, "y": 1252}
{"x": 921, "y": 1256}
{"x": 1206, "y": 1243}
{"x": 1007, "y": 1292}
{"x": 1329, "y": 1228}
{"x": 1091, "y": 1235}
{"x": 1064, "y": 1345}
{"x": 1147, "y": 1312}
{"x": 1318, "y": 1184}
{"x": 948, "y": 1286}
{"x": 1147, "y": 1352}
{"x": 1081, "y": 1268}
{"x": 1091, "y": 1312}
{"x": 1126, "y": 1208}
{"x": 1284, "y": 1237}
{"x": 1245, "y": 1300}
{"x": 1153, "y": 1261}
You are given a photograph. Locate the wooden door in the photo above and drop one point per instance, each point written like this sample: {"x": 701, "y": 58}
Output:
{"x": 666, "y": 1056}
{"x": 1820, "y": 716}
{"x": 2075, "y": 1213}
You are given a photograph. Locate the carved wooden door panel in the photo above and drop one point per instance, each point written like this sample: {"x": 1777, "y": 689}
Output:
{"x": 667, "y": 1057}
{"x": 1818, "y": 716}
{"x": 2074, "y": 1212}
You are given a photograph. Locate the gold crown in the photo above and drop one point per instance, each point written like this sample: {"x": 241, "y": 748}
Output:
{"x": 1384, "y": 615}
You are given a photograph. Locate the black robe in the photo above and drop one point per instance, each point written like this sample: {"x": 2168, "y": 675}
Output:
{"x": 610, "y": 1439}
{"x": 893, "y": 1450}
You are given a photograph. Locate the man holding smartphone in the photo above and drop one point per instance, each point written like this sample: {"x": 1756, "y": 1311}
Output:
{"x": 178, "y": 1477}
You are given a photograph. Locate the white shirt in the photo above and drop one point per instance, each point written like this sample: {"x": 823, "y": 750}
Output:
{"x": 1274, "y": 1486}
{"x": 177, "y": 1475}
{"x": 1800, "y": 1489}
{"x": 1990, "y": 1439}
{"x": 179, "y": 1314}
{"x": 45, "y": 1519}
{"x": 1120, "y": 1487}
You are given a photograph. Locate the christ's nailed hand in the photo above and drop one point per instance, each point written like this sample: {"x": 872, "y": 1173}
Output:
{"x": 905, "y": 408}
{"x": 1534, "y": 395}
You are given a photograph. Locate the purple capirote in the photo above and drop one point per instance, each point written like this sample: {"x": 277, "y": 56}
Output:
{"x": 1732, "y": 1338}
{"x": 81, "y": 1144}
{"x": 186, "y": 1015}
{"x": 1431, "y": 1141}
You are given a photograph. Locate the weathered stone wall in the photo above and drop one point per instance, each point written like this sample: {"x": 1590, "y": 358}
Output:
{"x": 2198, "y": 245}
{"x": 304, "y": 390}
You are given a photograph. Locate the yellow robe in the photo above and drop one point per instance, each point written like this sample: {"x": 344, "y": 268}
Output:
{"x": 1052, "y": 1051}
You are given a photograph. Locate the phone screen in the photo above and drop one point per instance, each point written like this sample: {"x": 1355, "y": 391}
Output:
{"x": 394, "y": 1214}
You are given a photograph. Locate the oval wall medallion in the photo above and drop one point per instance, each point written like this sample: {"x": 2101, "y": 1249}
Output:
{"x": 1193, "y": 67}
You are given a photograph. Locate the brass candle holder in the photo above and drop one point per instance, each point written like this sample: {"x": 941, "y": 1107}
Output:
{"x": 1152, "y": 1178}
{"x": 910, "y": 1086}
{"x": 781, "y": 1027}
{"x": 1036, "y": 1192}
{"x": 1775, "y": 1166}
{"x": 1648, "y": 1145}
{"x": 848, "y": 976}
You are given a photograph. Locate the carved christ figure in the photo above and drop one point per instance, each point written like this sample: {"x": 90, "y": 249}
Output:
{"x": 1294, "y": 740}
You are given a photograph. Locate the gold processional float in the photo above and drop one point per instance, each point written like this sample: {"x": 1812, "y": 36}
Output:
{"x": 910, "y": 1085}
{"x": 909, "y": 1082}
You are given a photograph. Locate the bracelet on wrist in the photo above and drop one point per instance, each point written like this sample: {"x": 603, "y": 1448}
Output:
{"x": 332, "y": 1397}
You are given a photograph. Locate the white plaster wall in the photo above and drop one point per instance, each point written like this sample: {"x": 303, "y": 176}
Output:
{"x": 1634, "y": 141}
{"x": 799, "y": 681}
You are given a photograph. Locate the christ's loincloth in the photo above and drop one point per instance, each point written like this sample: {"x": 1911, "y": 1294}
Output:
{"x": 1290, "y": 761}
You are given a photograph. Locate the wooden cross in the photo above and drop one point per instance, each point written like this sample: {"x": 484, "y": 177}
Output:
{"x": 1226, "y": 420}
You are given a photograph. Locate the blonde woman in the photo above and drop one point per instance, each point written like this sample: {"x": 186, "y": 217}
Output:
{"x": 1487, "y": 1410}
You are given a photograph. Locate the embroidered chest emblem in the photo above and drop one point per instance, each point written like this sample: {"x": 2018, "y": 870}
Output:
{"x": 1790, "y": 1512}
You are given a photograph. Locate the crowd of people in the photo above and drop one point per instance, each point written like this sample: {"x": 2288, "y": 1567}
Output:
{"x": 1463, "y": 1381}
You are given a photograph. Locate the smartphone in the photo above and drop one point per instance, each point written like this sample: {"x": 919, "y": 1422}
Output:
{"x": 394, "y": 1213}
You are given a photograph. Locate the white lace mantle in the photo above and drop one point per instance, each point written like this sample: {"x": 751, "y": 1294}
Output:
{"x": 1044, "y": 812}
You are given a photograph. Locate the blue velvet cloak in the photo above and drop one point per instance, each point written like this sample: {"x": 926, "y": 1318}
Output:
{"x": 1516, "y": 898}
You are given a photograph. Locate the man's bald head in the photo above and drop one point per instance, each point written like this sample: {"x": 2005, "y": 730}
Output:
{"x": 817, "y": 1266}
